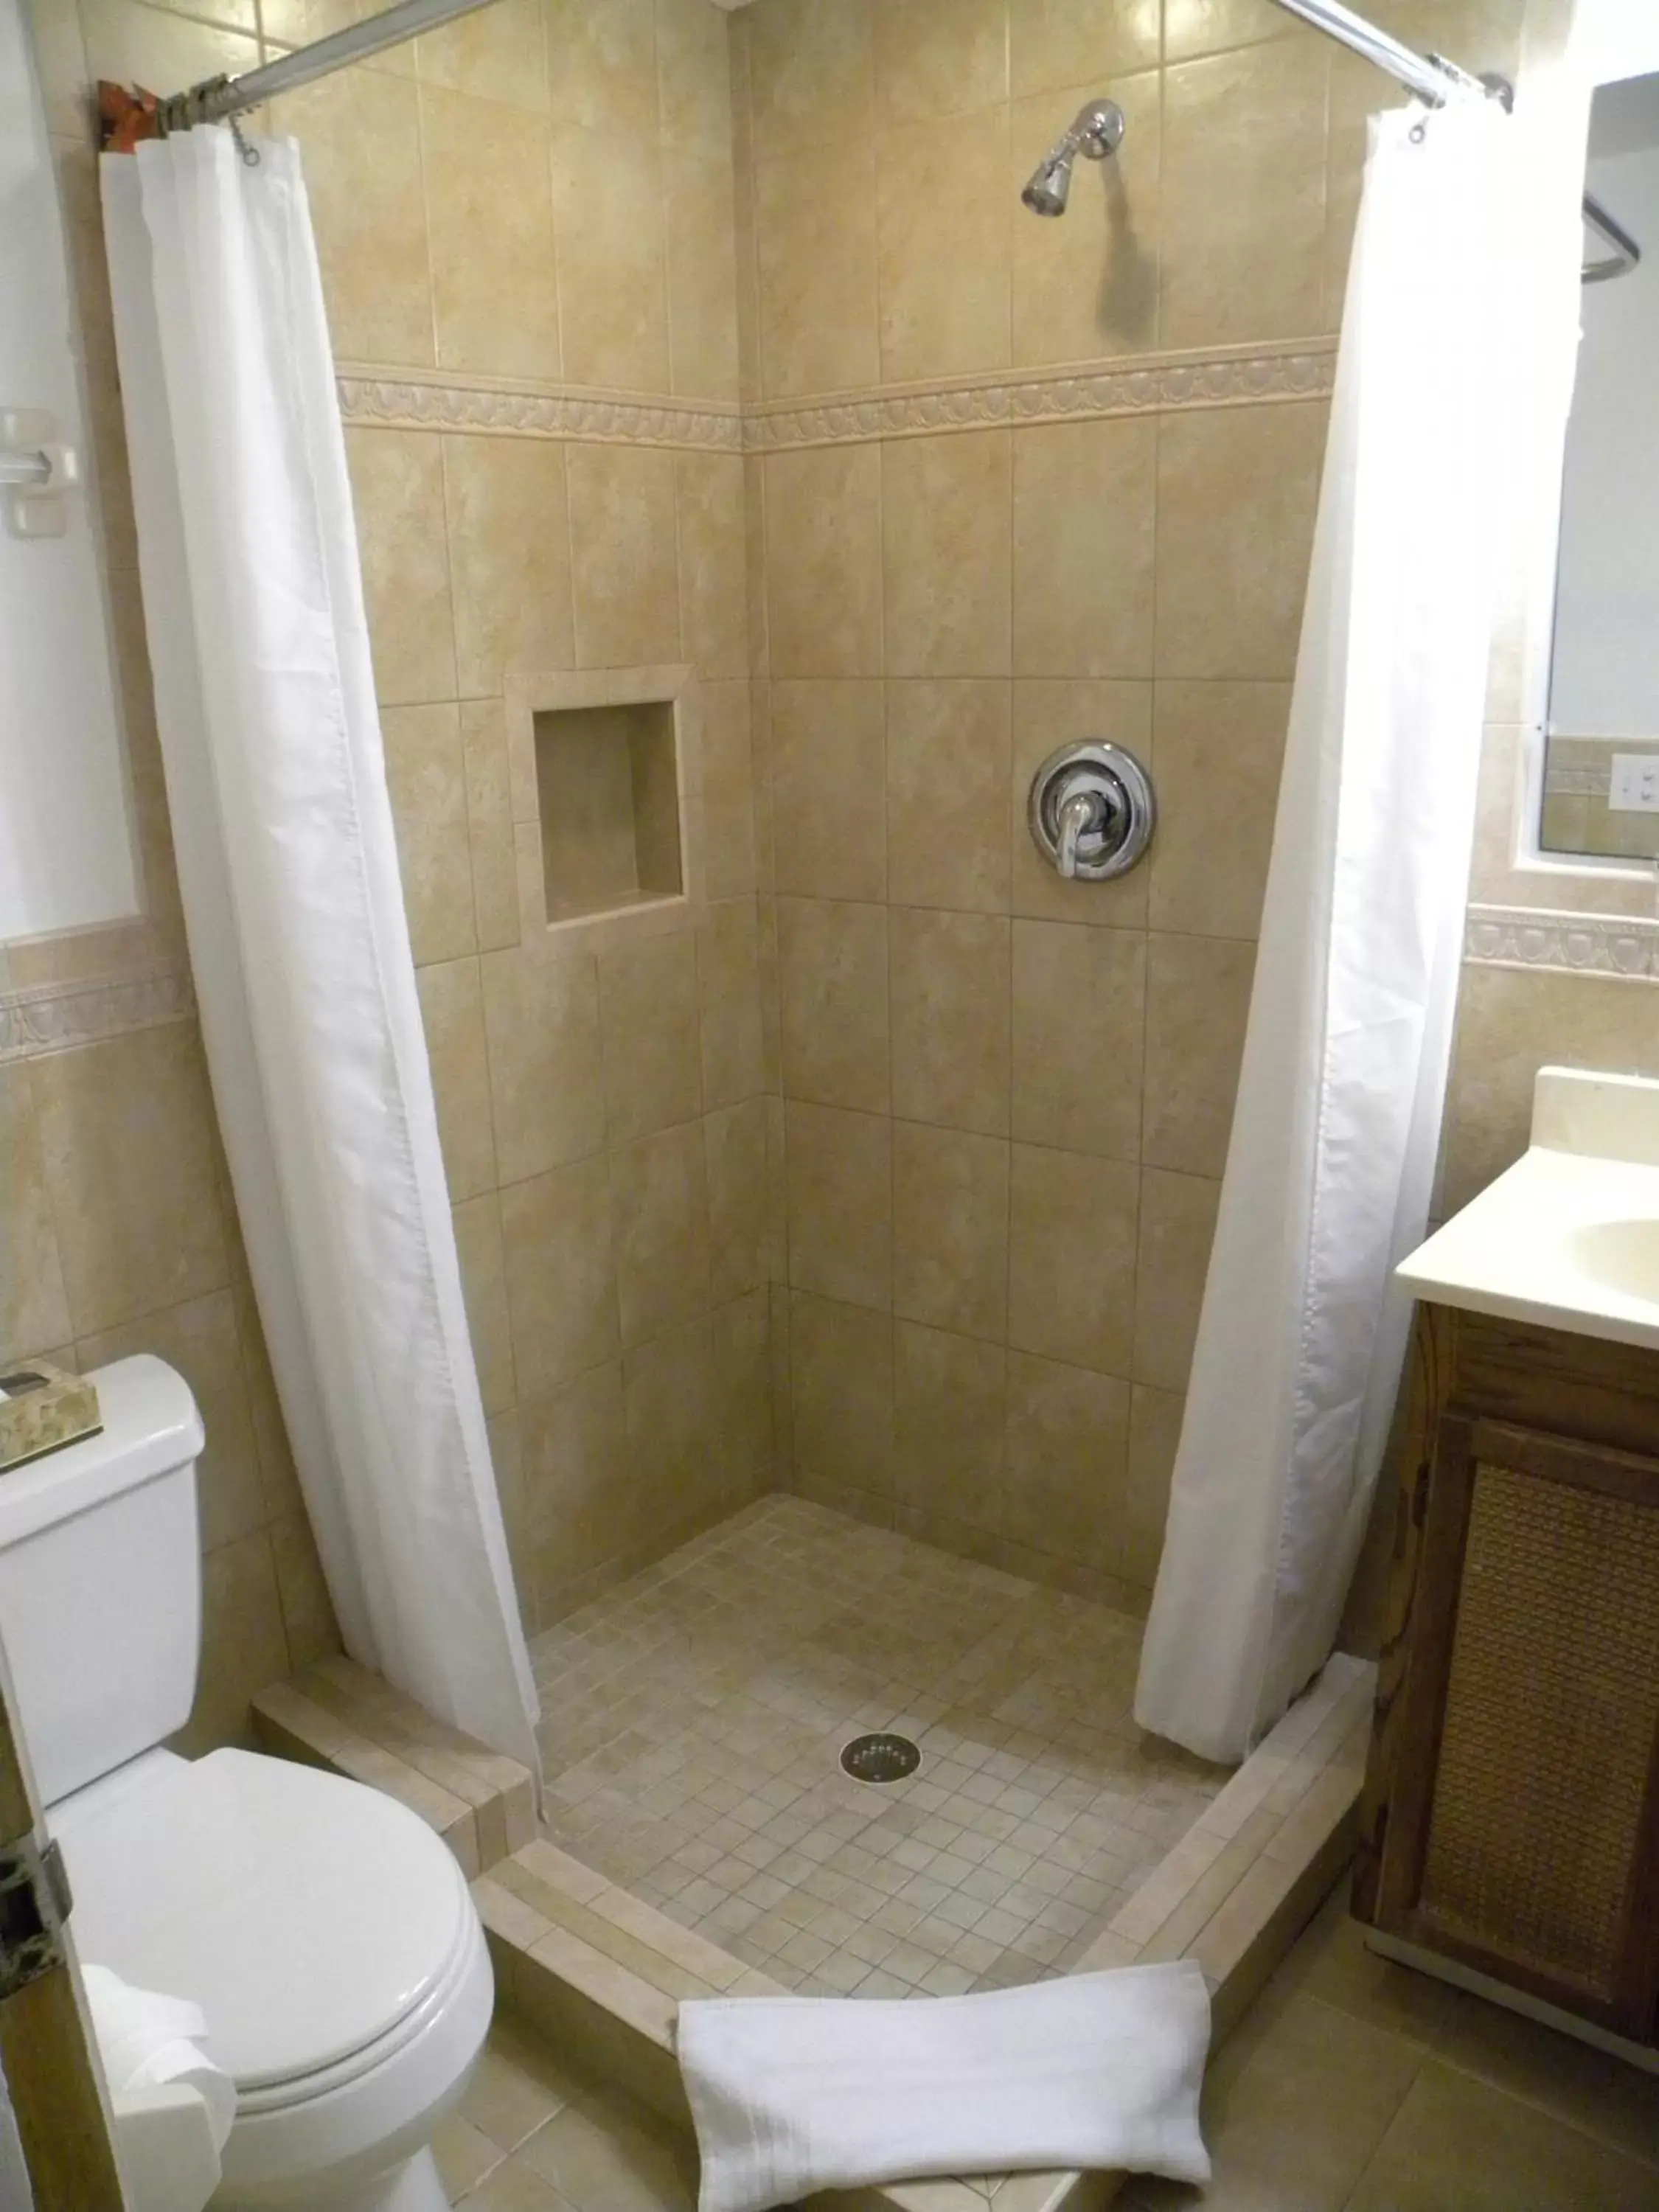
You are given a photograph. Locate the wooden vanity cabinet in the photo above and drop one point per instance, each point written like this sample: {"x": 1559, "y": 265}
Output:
{"x": 1511, "y": 1818}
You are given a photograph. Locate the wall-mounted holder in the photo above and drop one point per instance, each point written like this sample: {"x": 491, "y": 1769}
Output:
{"x": 1091, "y": 812}
{"x": 36, "y": 471}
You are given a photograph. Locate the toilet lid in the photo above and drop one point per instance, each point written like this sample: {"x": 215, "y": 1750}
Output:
{"x": 306, "y": 1914}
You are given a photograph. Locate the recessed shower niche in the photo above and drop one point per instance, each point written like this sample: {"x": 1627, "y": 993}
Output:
{"x": 605, "y": 798}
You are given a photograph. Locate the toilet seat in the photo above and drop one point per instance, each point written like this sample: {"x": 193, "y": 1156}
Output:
{"x": 320, "y": 1925}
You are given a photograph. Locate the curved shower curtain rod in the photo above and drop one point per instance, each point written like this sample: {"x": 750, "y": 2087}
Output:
{"x": 220, "y": 98}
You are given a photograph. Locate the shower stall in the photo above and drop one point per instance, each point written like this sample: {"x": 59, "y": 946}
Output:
{"x": 754, "y": 503}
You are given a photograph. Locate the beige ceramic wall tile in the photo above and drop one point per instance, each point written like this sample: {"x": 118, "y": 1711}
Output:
{"x": 713, "y": 616}
{"x": 648, "y": 1020}
{"x": 155, "y": 46}
{"x": 816, "y": 250}
{"x": 1154, "y": 1435}
{"x": 361, "y": 135}
{"x": 199, "y": 1339}
{"x": 734, "y": 1160}
{"x": 824, "y": 575}
{"x": 426, "y": 776}
{"x": 740, "y": 1391}
{"x": 832, "y": 958}
{"x": 1219, "y": 747}
{"x": 609, "y": 224}
{"x": 1243, "y": 195}
{"x": 1048, "y": 715}
{"x": 623, "y": 547}
{"x": 660, "y": 1224}
{"x": 694, "y": 76}
{"x": 951, "y": 1230}
{"x": 602, "y": 64}
{"x": 1198, "y": 1002}
{"x": 841, "y": 1364}
{"x": 947, "y": 787}
{"x": 840, "y": 1184}
{"x": 1177, "y": 1220}
{"x": 489, "y": 824}
{"x": 949, "y": 1403}
{"x": 509, "y": 552}
{"x": 728, "y": 801}
{"x": 1068, "y": 1450}
{"x": 129, "y": 1147}
{"x": 1071, "y": 1258}
{"x": 1084, "y": 498}
{"x": 309, "y": 1628}
{"x": 946, "y": 564}
{"x": 580, "y": 1503}
{"x": 541, "y": 1013}
{"x": 499, "y": 54}
{"x": 34, "y": 1311}
{"x": 1088, "y": 286}
{"x": 561, "y": 1274}
{"x": 828, "y": 789}
{"x": 675, "y": 1470}
{"x": 1079, "y": 1029}
{"x": 1237, "y": 492}
{"x": 489, "y": 215}
{"x": 398, "y": 491}
{"x": 729, "y": 1002}
{"x": 698, "y": 189}
{"x": 1208, "y": 26}
{"x": 950, "y": 978}
{"x": 1511, "y": 1023}
{"x": 243, "y": 1644}
{"x": 937, "y": 58}
{"x": 944, "y": 226}
{"x": 1062, "y": 42}
{"x": 452, "y": 1009}
{"x": 483, "y": 1279}
{"x": 811, "y": 75}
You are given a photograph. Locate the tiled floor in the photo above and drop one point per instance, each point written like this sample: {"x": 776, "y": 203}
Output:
{"x": 1356, "y": 2085}
{"x": 695, "y": 1717}
{"x": 1353, "y": 2085}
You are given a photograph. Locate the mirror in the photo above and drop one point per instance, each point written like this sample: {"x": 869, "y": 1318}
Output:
{"x": 1601, "y": 785}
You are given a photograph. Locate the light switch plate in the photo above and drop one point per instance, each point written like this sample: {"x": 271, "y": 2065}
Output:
{"x": 1634, "y": 787}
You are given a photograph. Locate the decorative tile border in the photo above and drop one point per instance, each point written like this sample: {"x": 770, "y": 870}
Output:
{"x": 58, "y": 1017}
{"x": 411, "y": 400}
{"x": 1228, "y": 376}
{"x": 1563, "y": 944}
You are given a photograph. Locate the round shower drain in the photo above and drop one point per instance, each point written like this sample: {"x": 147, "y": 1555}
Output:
{"x": 880, "y": 1758}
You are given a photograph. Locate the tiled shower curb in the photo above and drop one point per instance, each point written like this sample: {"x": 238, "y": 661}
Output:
{"x": 601, "y": 1973}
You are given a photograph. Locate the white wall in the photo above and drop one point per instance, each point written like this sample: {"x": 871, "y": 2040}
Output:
{"x": 66, "y": 856}
{"x": 1606, "y": 676}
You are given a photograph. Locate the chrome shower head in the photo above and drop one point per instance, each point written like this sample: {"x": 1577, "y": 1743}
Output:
{"x": 1096, "y": 132}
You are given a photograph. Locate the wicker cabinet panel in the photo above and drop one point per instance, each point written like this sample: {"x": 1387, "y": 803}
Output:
{"x": 1511, "y": 1815}
{"x": 1550, "y": 1713}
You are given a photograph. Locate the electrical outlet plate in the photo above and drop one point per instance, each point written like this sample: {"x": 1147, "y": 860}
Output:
{"x": 1633, "y": 787}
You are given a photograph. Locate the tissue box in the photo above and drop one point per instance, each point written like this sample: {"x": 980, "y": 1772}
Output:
{"x": 43, "y": 1408}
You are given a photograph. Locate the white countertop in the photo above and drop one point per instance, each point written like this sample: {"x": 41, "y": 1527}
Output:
{"x": 1569, "y": 1237}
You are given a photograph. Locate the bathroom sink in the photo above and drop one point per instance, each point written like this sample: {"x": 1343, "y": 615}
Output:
{"x": 1569, "y": 1237}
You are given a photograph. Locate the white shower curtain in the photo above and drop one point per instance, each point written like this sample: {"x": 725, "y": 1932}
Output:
{"x": 1329, "y": 1169}
{"x": 283, "y": 827}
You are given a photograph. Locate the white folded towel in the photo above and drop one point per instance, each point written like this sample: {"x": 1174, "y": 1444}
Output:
{"x": 149, "y": 2041}
{"x": 1096, "y": 2071}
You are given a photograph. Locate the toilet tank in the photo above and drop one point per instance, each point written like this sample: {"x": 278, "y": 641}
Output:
{"x": 100, "y": 1581}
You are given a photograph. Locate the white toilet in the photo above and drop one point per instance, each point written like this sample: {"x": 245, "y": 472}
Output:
{"x": 326, "y": 1931}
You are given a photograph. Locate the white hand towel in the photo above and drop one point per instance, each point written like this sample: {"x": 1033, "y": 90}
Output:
{"x": 1097, "y": 2071}
{"x": 148, "y": 2041}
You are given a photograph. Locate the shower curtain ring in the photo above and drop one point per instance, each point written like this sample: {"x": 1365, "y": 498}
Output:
{"x": 250, "y": 153}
